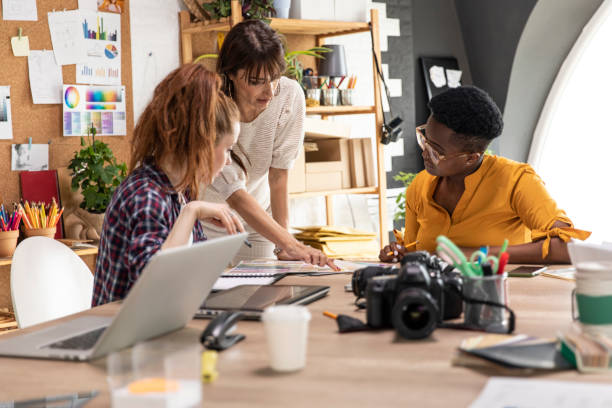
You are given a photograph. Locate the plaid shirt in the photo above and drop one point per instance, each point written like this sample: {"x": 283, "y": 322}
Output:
{"x": 137, "y": 222}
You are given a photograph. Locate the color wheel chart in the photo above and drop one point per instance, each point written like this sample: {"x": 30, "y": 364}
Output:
{"x": 100, "y": 106}
{"x": 102, "y": 33}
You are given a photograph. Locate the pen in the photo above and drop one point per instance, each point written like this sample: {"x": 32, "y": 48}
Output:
{"x": 76, "y": 399}
{"x": 247, "y": 243}
{"x": 405, "y": 246}
{"x": 504, "y": 246}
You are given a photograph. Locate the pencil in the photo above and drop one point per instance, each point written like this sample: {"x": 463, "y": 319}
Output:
{"x": 405, "y": 246}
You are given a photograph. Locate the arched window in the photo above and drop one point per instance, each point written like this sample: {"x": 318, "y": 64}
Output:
{"x": 572, "y": 144}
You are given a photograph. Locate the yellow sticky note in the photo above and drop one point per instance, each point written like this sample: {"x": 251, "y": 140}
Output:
{"x": 21, "y": 46}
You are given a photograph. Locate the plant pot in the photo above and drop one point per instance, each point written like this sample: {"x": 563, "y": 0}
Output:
{"x": 8, "y": 242}
{"x": 91, "y": 224}
{"x": 41, "y": 232}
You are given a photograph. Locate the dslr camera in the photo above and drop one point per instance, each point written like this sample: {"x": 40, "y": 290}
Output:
{"x": 415, "y": 298}
{"x": 391, "y": 131}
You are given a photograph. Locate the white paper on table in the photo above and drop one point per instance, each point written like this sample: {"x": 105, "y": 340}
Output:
{"x": 89, "y": 5}
{"x": 22, "y": 10}
{"x": 103, "y": 42}
{"x": 45, "y": 77}
{"x": 501, "y": 392}
{"x": 30, "y": 157}
{"x": 6, "y": 123}
{"x": 67, "y": 37}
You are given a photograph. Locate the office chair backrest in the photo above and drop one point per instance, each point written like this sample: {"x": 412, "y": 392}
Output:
{"x": 48, "y": 281}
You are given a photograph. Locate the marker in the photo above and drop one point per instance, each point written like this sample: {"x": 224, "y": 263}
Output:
{"x": 247, "y": 243}
{"x": 503, "y": 260}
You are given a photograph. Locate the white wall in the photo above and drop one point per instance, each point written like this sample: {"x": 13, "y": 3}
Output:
{"x": 155, "y": 46}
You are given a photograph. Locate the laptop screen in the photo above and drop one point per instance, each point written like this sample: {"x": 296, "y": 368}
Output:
{"x": 258, "y": 297}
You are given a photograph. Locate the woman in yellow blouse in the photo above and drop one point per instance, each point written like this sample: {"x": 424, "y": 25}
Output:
{"x": 476, "y": 199}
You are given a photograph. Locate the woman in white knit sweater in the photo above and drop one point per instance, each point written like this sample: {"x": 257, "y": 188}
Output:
{"x": 272, "y": 111}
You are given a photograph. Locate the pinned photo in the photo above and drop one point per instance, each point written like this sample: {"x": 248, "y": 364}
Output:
{"x": 111, "y": 6}
{"x": 30, "y": 157}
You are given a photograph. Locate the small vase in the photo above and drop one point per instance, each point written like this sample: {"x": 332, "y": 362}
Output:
{"x": 8, "y": 242}
{"x": 282, "y": 8}
{"x": 41, "y": 232}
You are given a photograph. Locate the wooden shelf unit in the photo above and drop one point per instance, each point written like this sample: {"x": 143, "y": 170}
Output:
{"x": 320, "y": 30}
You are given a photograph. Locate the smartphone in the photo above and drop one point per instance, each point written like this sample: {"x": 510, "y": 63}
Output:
{"x": 526, "y": 271}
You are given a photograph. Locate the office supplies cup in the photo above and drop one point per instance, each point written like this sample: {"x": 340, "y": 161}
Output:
{"x": 156, "y": 373}
{"x": 286, "y": 328}
{"x": 41, "y": 232}
{"x": 312, "y": 84}
{"x": 592, "y": 297}
{"x": 8, "y": 243}
{"x": 330, "y": 97}
{"x": 346, "y": 96}
{"x": 493, "y": 289}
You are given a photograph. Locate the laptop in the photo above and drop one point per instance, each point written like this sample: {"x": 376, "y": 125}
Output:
{"x": 163, "y": 299}
{"x": 251, "y": 300}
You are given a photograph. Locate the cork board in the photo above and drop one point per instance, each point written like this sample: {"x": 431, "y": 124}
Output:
{"x": 43, "y": 123}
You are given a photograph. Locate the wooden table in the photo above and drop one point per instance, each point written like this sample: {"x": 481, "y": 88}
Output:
{"x": 351, "y": 370}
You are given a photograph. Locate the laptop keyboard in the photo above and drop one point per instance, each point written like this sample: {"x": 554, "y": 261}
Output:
{"x": 83, "y": 341}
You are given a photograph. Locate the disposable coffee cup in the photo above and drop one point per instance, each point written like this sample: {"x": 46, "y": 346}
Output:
{"x": 592, "y": 297}
{"x": 286, "y": 328}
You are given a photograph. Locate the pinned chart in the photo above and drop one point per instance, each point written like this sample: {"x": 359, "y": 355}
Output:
{"x": 6, "y": 122}
{"x": 102, "y": 106}
{"x": 102, "y": 35}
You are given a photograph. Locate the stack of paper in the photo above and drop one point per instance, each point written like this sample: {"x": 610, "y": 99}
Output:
{"x": 340, "y": 242}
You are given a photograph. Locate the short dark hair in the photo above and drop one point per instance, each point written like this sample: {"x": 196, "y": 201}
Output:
{"x": 254, "y": 46}
{"x": 470, "y": 112}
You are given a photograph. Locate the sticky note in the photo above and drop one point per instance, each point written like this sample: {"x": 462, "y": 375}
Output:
{"x": 21, "y": 46}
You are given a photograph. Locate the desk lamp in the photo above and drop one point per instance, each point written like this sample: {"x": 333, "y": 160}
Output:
{"x": 333, "y": 63}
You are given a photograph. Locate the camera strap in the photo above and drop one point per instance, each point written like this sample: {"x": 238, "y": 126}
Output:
{"x": 464, "y": 326}
{"x": 382, "y": 78}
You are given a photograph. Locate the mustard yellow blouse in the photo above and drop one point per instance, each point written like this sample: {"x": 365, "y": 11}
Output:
{"x": 502, "y": 199}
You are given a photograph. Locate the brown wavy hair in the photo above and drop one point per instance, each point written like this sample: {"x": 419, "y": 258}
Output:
{"x": 186, "y": 118}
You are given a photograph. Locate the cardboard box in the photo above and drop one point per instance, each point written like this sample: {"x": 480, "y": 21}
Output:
{"x": 333, "y": 150}
{"x": 297, "y": 174}
{"x": 368, "y": 162}
{"x": 357, "y": 166}
{"x": 324, "y": 167}
{"x": 323, "y": 181}
{"x": 325, "y": 129}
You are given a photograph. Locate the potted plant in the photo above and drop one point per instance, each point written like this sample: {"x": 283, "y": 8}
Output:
{"x": 251, "y": 9}
{"x": 406, "y": 179}
{"x": 95, "y": 171}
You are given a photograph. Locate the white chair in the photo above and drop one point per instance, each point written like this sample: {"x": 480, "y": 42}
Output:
{"x": 48, "y": 281}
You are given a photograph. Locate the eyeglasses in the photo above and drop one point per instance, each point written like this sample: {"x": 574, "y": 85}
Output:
{"x": 436, "y": 157}
{"x": 261, "y": 83}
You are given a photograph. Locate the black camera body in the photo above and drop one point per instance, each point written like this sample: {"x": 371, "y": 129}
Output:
{"x": 415, "y": 298}
{"x": 391, "y": 131}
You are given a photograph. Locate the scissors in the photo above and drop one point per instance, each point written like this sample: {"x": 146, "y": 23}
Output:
{"x": 479, "y": 257}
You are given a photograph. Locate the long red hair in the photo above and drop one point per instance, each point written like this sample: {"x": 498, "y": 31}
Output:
{"x": 186, "y": 118}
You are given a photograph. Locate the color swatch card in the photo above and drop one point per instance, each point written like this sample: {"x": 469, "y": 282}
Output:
{"x": 6, "y": 122}
{"x": 100, "y": 106}
{"x": 67, "y": 37}
{"x": 102, "y": 36}
{"x": 45, "y": 77}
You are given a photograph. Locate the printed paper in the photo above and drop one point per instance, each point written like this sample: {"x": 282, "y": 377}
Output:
{"x": 112, "y": 6}
{"x": 437, "y": 77}
{"x": 30, "y": 157}
{"x": 6, "y": 123}
{"x": 453, "y": 77}
{"x": 22, "y": 10}
{"x": 67, "y": 37}
{"x": 102, "y": 36}
{"x": 102, "y": 106}
{"x": 45, "y": 77}
{"x": 88, "y": 5}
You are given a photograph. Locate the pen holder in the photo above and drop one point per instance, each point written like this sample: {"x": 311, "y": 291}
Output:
{"x": 8, "y": 243}
{"x": 346, "y": 96}
{"x": 41, "y": 232}
{"x": 330, "y": 97}
{"x": 487, "y": 317}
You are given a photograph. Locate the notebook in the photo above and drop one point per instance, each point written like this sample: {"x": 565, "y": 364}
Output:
{"x": 232, "y": 279}
{"x": 42, "y": 186}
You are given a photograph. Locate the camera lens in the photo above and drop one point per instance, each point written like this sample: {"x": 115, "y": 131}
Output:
{"x": 415, "y": 314}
